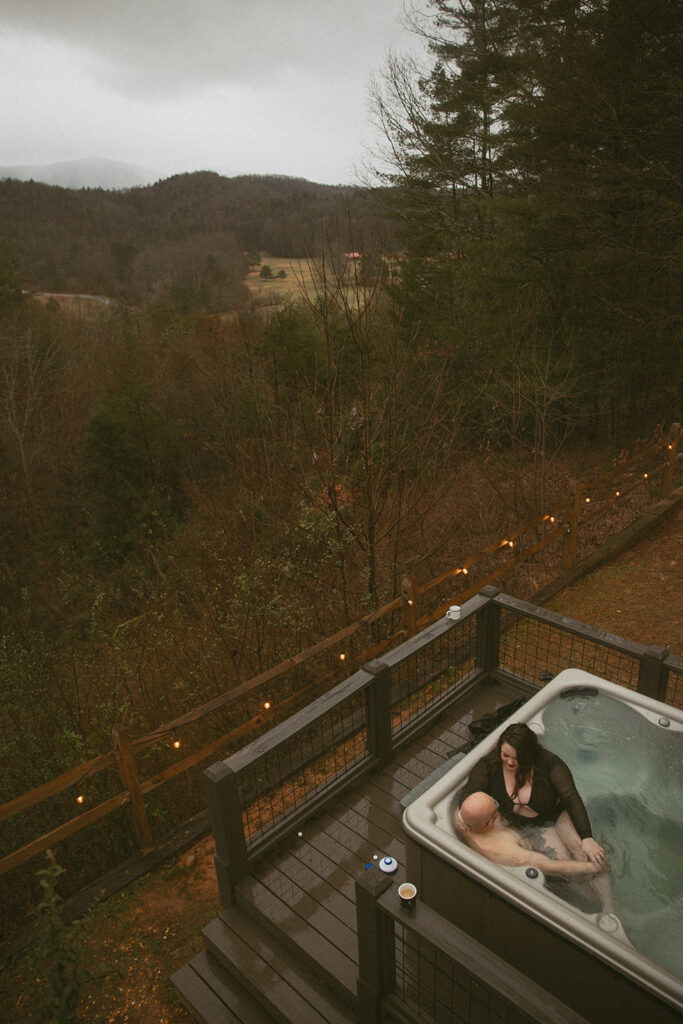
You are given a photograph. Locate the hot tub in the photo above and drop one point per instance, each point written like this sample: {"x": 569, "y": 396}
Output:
{"x": 626, "y": 754}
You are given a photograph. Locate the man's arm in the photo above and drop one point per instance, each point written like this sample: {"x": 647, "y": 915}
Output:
{"x": 503, "y": 848}
{"x": 580, "y": 868}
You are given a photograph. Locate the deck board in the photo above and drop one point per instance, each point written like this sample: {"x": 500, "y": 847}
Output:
{"x": 321, "y": 862}
{"x": 313, "y": 872}
{"x": 359, "y": 836}
{"x": 318, "y": 888}
{"x": 325, "y": 938}
{"x": 389, "y": 785}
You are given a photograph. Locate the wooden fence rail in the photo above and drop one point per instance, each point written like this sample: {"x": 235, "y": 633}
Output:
{"x": 560, "y": 525}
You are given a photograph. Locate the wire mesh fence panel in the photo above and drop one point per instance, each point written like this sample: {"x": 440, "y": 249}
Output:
{"x": 531, "y": 648}
{"x": 674, "y": 686}
{"x": 432, "y": 671}
{"x": 439, "y": 990}
{"x": 301, "y": 768}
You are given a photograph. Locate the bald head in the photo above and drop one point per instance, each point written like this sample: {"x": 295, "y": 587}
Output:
{"x": 478, "y": 811}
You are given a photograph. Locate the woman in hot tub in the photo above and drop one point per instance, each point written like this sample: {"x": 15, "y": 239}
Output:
{"x": 534, "y": 786}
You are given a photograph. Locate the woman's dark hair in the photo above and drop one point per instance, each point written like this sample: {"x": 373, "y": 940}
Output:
{"x": 527, "y": 747}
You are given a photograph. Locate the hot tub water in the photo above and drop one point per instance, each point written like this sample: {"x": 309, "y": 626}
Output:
{"x": 628, "y": 770}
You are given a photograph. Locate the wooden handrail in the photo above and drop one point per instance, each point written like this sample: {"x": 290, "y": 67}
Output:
{"x": 57, "y": 785}
{"x": 264, "y": 677}
{"x": 63, "y": 831}
{"x": 101, "y": 810}
{"x": 492, "y": 577}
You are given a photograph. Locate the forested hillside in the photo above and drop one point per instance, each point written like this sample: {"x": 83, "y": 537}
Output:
{"x": 183, "y": 241}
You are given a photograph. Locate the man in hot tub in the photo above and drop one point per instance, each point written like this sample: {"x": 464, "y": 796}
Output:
{"x": 483, "y": 829}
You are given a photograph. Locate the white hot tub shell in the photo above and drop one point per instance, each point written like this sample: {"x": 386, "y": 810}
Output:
{"x": 586, "y": 959}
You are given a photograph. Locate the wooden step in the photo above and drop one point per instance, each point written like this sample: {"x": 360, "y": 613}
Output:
{"x": 213, "y": 996}
{"x": 306, "y": 927}
{"x": 286, "y": 987}
{"x": 314, "y": 936}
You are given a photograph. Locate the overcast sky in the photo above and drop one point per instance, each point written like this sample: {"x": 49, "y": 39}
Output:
{"x": 235, "y": 86}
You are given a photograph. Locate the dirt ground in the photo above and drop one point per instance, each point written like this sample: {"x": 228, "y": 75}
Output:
{"x": 639, "y": 595}
{"x": 137, "y": 939}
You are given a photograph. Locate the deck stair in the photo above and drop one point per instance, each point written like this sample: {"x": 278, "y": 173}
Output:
{"x": 246, "y": 975}
{"x": 286, "y": 952}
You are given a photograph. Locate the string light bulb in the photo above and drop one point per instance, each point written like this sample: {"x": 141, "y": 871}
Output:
{"x": 267, "y": 705}
{"x": 511, "y": 543}
{"x": 176, "y": 744}
{"x": 342, "y": 656}
{"x": 465, "y": 571}
{"x": 618, "y": 494}
{"x": 588, "y": 501}
{"x": 80, "y": 798}
{"x": 645, "y": 475}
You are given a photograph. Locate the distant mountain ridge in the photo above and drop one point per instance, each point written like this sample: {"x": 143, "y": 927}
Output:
{"x": 185, "y": 241}
{"x": 85, "y": 173}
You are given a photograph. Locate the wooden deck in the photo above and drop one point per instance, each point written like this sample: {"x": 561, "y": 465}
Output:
{"x": 287, "y": 950}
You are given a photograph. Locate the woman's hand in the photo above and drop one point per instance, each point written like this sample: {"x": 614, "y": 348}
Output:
{"x": 594, "y": 853}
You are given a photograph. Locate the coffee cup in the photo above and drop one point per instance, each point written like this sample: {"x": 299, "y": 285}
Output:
{"x": 407, "y": 893}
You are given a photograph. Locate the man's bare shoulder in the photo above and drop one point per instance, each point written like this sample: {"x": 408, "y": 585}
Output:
{"x": 501, "y": 845}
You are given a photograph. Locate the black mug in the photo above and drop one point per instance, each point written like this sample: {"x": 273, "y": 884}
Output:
{"x": 407, "y": 894}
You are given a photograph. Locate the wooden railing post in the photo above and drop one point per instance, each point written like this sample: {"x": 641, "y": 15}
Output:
{"x": 488, "y": 632}
{"x": 376, "y": 958}
{"x": 125, "y": 758}
{"x": 672, "y": 454}
{"x": 379, "y": 712}
{"x": 409, "y": 606}
{"x": 571, "y": 534}
{"x": 652, "y": 674}
{"x": 231, "y": 857}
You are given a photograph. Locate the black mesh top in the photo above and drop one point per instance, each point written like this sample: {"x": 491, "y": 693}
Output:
{"x": 553, "y": 790}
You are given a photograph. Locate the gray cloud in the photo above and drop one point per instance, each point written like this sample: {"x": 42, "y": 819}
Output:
{"x": 238, "y": 86}
{"x": 168, "y": 46}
